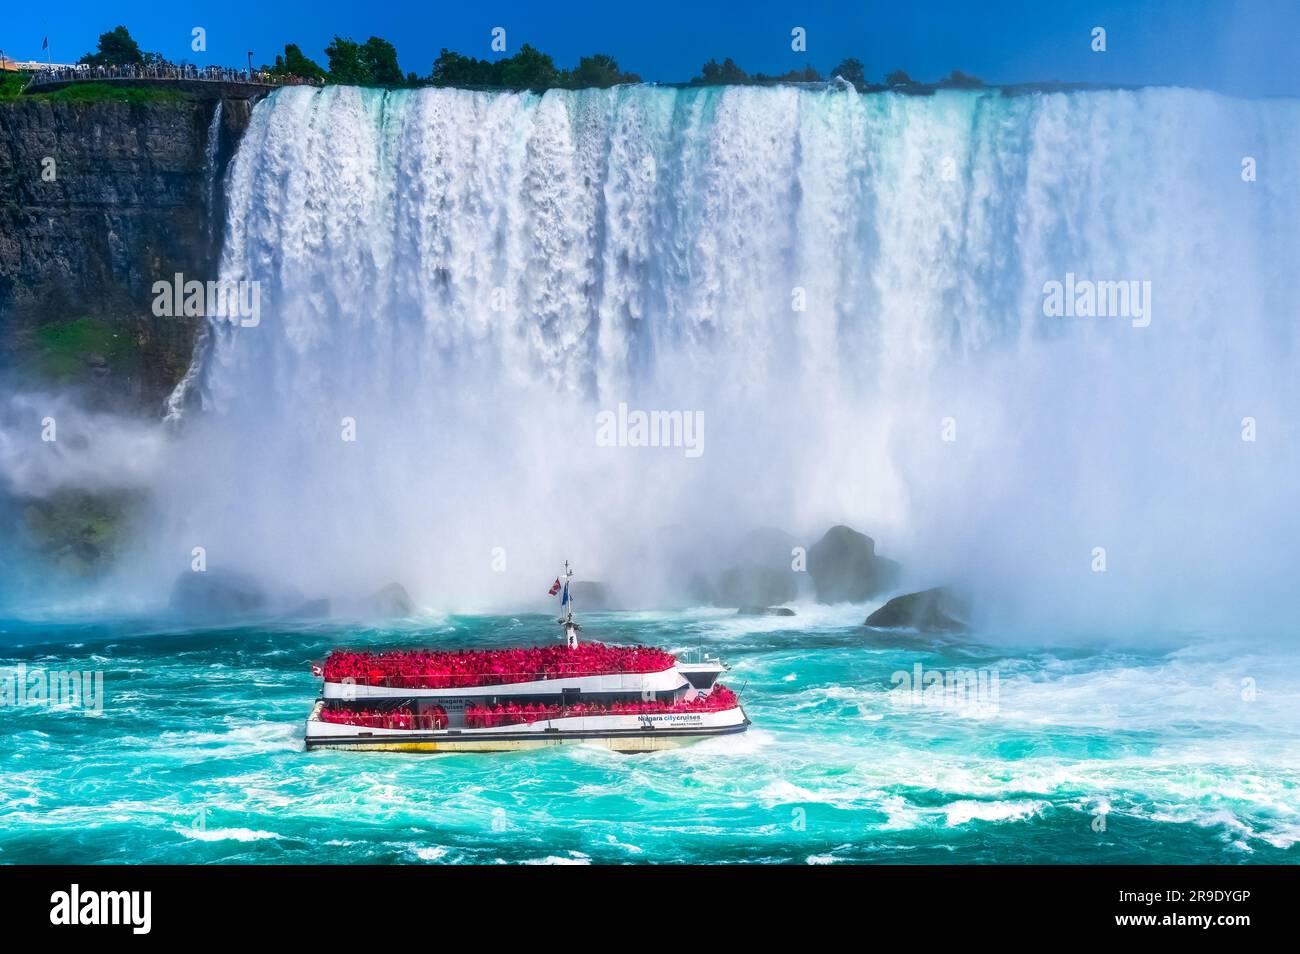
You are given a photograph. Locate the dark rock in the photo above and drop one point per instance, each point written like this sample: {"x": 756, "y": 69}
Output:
{"x": 761, "y": 573}
{"x": 936, "y": 610}
{"x": 217, "y": 595}
{"x": 764, "y": 611}
{"x": 767, "y": 546}
{"x": 845, "y": 569}
{"x": 591, "y": 595}
{"x": 129, "y": 204}
{"x": 389, "y": 602}
{"x": 699, "y": 590}
{"x": 752, "y": 585}
{"x": 312, "y": 609}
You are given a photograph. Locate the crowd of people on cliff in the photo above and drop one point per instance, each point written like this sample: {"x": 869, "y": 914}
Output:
{"x": 431, "y": 669}
{"x": 486, "y": 717}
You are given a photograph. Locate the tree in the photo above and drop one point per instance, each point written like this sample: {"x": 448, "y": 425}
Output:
{"x": 961, "y": 80}
{"x": 528, "y": 69}
{"x": 453, "y": 69}
{"x": 345, "y": 63}
{"x": 116, "y": 48}
{"x": 294, "y": 63}
{"x": 898, "y": 78}
{"x": 380, "y": 58}
{"x": 373, "y": 63}
{"x": 600, "y": 71}
{"x": 851, "y": 71}
{"x": 714, "y": 73}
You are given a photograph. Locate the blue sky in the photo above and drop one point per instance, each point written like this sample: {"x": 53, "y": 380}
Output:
{"x": 1247, "y": 47}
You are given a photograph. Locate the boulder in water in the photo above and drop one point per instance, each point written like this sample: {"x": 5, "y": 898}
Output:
{"x": 217, "y": 594}
{"x": 936, "y": 610}
{"x": 390, "y": 602}
{"x": 845, "y": 568}
{"x": 312, "y": 609}
{"x": 592, "y": 595}
{"x": 749, "y": 584}
{"x": 764, "y": 611}
{"x": 761, "y": 574}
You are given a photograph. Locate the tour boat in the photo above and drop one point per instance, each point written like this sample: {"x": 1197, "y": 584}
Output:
{"x": 626, "y": 698}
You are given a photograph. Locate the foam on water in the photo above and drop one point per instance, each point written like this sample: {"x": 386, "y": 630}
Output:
{"x": 180, "y": 768}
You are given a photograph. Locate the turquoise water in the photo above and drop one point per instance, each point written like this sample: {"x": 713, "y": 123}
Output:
{"x": 197, "y": 756}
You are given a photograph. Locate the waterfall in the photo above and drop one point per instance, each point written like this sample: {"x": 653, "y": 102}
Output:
{"x": 851, "y": 291}
{"x": 211, "y": 152}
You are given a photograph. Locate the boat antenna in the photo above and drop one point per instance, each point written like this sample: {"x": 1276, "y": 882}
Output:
{"x": 571, "y": 627}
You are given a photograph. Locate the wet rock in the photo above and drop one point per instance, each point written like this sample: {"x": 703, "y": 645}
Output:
{"x": 390, "y": 602}
{"x": 936, "y": 610}
{"x": 752, "y": 585}
{"x": 217, "y": 595}
{"x": 845, "y": 568}
{"x": 312, "y": 609}
{"x": 592, "y": 595}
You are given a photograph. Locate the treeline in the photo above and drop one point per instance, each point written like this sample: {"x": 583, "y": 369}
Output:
{"x": 374, "y": 63}
{"x": 851, "y": 71}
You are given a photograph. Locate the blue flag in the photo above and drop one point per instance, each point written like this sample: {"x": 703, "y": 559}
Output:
{"x": 564, "y": 600}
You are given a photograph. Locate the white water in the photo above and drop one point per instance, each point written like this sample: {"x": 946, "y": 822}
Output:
{"x": 472, "y": 277}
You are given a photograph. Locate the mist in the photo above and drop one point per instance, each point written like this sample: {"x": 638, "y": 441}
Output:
{"x": 849, "y": 293}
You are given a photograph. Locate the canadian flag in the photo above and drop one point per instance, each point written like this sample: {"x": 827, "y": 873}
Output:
{"x": 555, "y": 587}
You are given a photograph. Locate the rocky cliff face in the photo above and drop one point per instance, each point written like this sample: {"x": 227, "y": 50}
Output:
{"x": 97, "y": 202}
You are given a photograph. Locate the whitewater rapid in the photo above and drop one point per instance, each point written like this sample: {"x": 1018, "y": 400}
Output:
{"x": 848, "y": 289}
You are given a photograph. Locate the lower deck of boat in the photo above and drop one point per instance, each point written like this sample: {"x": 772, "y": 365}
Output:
{"x": 627, "y": 741}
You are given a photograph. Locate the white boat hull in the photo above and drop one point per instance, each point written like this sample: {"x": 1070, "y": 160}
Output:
{"x": 621, "y": 733}
{"x": 669, "y": 680}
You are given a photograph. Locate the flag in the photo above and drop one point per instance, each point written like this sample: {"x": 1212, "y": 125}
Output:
{"x": 45, "y": 44}
{"x": 555, "y": 587}
{"x": 564, "y": 600}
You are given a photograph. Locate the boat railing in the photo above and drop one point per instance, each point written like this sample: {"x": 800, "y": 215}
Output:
{"x": 476, "y": 680}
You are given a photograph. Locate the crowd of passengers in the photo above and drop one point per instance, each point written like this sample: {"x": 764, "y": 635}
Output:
{"x": 401, "y": 718}
{"x": 430, "y": 669}
{"x": 486, "y": 717}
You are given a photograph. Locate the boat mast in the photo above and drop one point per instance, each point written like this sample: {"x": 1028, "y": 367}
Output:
{"x": 570, "y": 627}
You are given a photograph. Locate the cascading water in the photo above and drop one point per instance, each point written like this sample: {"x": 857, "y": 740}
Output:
{"x": 211, "y": 152}
{"x": 850, "y": 288}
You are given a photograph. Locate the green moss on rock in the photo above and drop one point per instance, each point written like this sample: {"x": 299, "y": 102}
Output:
{"x": 66, "y": 350}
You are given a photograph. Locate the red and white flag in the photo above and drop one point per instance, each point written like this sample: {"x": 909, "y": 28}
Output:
{"x": 555, "y": 587}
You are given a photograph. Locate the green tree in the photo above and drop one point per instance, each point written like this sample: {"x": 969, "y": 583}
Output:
{"x": 851, "y": 71}
{"x": 294, "y": 63}
{"x": 380, "y": 58}
{"x": 961, "y": 80}
{"x": 898, "y": 78}
{"x": 116, "y": 48}
{"x": 599, "y": 71}
{"x": 345, "y": 62}
{"x": 528, "y": 69}
{"x": 453, "y": 69}
{"x": 373, "y": 63}
{"x": 727, "y": 72}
